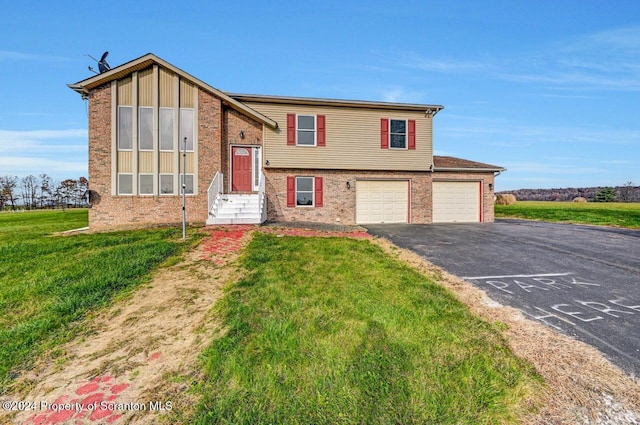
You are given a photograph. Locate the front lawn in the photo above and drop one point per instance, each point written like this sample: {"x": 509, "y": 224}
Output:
{"x": 48, "y": 283}
{"x": 333, "y": 331}
{"x": 598, "y": 213}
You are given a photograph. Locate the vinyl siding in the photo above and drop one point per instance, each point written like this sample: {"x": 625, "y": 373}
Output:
{"x": 166, "y": 162}
{"x": 166, "y": 89}
{"x": 125, "y": 161}
{"x": 145, "y": 87}
{"x": 145, "y": 162}
{"x": 352, "y": 139}
{"x": 125, "y": 95}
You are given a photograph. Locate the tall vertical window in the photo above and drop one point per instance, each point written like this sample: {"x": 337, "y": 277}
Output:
{"x": 145, "y": 129}
{"x": 125, "y": 127}
{"x": 166, "y": 129}
{"x": 186, "y": 128}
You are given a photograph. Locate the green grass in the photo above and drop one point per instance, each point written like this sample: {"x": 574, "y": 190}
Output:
{"x": 48, "y": 283}
{"x": 598, "y": 213}
{"x": 333, "y": 331}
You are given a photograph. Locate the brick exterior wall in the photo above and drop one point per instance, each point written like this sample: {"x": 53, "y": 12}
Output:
{"x": 339, "y": 203}
{"x": 109, "y": 211}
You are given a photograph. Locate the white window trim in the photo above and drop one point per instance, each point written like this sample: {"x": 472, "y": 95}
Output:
{"x": 160, "y": 186}
{"x": 406, "y": 134}
{"x": 313, "y": 192}
{"x": 118, "y": 184}
{"x": 139, "y": 128}
{"x": 315, "y": 130}
{"x": 152, "y": 187}
{"x": 160, "y": 132}
{"x": 118, "y": 130}
{"x": 194, "y": 183}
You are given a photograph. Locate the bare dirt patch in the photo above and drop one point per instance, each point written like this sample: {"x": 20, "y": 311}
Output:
{"x": 139, "y": 359}
{"x": 582, "y": 387}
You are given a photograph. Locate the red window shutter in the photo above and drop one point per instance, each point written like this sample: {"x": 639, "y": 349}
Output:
{"x": 291, "y": 129}
{"x": 291, "y": 191}
{"x": 318, "y": 192}
{"x": 384, "y": 133}
{"x": 321, "y": 140}
{"x": 412, "y": 134}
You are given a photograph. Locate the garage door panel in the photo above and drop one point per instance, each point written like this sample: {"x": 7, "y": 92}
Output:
{"x": 382, "y": 201}
{"x": 456, "y": 201}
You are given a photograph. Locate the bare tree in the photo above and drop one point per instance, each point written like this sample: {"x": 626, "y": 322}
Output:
{"x": 626, "y": 193}
{"x": 29, "y": 191}
{"x": 8, "y": 192}
{"x": 45, "y": 194}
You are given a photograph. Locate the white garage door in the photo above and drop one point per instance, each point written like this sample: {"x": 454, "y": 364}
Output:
{"x": 456, "y": 201}
{"x": 382, "y": 201}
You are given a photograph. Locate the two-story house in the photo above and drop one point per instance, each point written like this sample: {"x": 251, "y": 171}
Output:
{"x": 155, "y": 129}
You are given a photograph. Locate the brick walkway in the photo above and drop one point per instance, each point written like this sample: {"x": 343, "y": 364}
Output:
{"x": 225, "y": 241}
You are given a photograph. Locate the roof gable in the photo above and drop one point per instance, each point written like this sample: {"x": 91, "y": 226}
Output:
{"x": 85, "y": 86}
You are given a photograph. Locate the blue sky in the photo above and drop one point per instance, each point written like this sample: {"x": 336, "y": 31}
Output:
{"x": 549, "y": 90}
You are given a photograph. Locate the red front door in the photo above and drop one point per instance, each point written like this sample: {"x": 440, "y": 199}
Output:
{"x": 241, "y": 169}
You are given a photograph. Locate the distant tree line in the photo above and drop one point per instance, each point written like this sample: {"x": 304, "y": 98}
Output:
{"x": 626, "y": 193}
{"x": 36, "y": 192}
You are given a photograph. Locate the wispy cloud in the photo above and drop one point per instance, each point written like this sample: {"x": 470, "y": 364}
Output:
{"x": 606, "y": 60}
{"x": 59, "y": 153}
{"x": 8, "y": 55}
{"x": 42, "y": 142}
{"x": 448, "y": 65}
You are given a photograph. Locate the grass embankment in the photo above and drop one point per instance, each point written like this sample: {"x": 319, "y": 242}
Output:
{"x": 598, "y": 213}
{"x": 330, "y": 331}
{"x": 48, "y": 283}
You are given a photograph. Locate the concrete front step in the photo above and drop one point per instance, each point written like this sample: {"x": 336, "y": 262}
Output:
{"x": 212, "y": 220}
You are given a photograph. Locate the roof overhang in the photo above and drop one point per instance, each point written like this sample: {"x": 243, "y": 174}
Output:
{"x": 451, "y": 164}
{"x": 85, "y": 86}
{"x": 259, "y": 98}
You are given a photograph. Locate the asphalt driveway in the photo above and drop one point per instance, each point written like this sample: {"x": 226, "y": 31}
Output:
{"x": 581, "y": 280}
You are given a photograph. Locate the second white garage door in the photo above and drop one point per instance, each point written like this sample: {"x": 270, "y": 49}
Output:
{"x": 456, "y": 201}
{"x": 382, "y": 201}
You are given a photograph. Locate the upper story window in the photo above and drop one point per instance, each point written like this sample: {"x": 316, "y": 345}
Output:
{"x": 398, "y": 134}
{"x": 125, "y": 128}
{"x": 305, "y": 130}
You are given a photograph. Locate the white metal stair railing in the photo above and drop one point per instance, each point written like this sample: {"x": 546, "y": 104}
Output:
{"x": 214, "y": 191}
{"x": 262, "y": 198}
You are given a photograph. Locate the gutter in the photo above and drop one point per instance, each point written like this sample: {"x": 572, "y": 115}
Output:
{"x": 467, "y": 170}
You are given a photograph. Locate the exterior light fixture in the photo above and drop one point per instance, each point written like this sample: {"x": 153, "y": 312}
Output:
{"x": 348, "y": 185}
{"x": 242, "y": 134}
